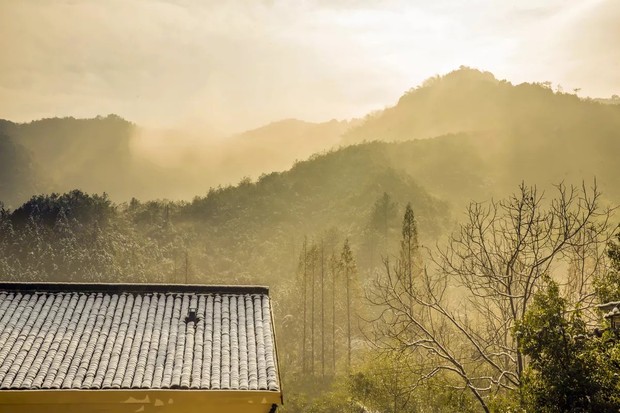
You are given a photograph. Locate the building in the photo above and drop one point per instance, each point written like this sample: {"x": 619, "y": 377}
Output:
{"x": 611, "y": 312}
{"x": 137, "y": 348}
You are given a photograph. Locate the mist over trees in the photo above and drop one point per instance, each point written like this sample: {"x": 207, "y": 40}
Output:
{"x": 112, "y": 155}
{"x": 456, "y": 273}
{"x": 459, "y": 317}
{"x": 473, "y": 136}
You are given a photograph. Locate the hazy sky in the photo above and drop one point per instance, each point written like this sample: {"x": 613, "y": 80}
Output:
{"x": 239, "y": 64}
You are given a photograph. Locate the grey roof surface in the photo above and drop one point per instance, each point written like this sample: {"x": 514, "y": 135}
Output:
{"x": 115, "y": 336}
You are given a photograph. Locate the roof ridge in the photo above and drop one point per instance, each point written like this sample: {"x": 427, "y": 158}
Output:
{"x": 133, "y": 288}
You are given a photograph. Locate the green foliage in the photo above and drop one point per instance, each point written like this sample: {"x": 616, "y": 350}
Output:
{"x": 388, "y": 382}
{"x": 329, "y": 396}
{"x": 409, "y": 231}
{"x": 75, "y": 205}
{"x": 569, "y": 370}
{"x": 608, "y": 285}
{"x": 76, "y": 237}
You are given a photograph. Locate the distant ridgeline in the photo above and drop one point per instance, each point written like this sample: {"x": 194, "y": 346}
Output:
{"x": 524, "y": 132}
{"x": 492, "y": 135}
{"x": 253, "y": 230}
{"x": 59, "y": 154}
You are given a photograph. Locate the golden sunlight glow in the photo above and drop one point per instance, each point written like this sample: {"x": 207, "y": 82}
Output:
{"x": 241, "y": 64}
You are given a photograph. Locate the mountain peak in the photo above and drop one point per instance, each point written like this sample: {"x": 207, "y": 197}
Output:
{"x": 471, "y": 100}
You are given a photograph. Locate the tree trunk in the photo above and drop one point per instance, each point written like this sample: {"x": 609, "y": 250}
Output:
{"x": 322, "y": 310}
{"x": 312, "y": 312}
{"x": 333, "y": 267}
{"x": 305, "y": 300}
{"x": 348, "y": 321}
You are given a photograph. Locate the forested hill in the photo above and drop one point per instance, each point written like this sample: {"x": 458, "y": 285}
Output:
{"x": 469, "y": 100}
{"x": 63, "y": 153}
{"x": 254, "y": 229}
{"x": 482, "y": 133}
{"x": 524, "y": 132}
{"x": 109, "y": 154}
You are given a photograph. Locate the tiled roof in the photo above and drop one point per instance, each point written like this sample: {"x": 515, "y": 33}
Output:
{"x": 90, "y": 336}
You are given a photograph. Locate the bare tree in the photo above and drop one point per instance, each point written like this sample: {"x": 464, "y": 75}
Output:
{"x": 461, "y": 316}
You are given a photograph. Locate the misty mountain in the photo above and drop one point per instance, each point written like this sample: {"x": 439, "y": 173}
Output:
{"x": 520, "y": 132}
{"x": 265, "y": 221}
{"x": 68, "y": 147}
{"x": 109, "y": 154}
{"x": 257, "y": 226}
{"x": 475, "y": 136}
{"x": 282, "y": 143}
{"x": 70, "y": 153}
{"x": 18, "y": 177}
{"x": 469, "y": 100}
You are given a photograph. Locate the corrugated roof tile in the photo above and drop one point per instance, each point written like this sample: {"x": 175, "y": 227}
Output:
{"x": 243, "y": 345}
{"x": 251, "y": 342}
{"x": 99, "y": 379}
{"x": 96, "y": 357}
{"x": 216, "y": 357}
{"x": 234, "y": 343}
{"x": 142, "y": 353}
{"x": 50, "y": 345}
{"x": 56, "y": 372}
{"x": 88, "y": 345}
{"x": 208, "y": 345}
{"x": 151, "y": 358}
{"x": 115, "y": 351}
{"x": 188, "y": 356}
{"x": 34, "y": 360}
{"x": 196, "y": 379}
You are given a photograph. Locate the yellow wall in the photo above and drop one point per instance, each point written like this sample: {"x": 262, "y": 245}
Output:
{"x": 136, "y": 401}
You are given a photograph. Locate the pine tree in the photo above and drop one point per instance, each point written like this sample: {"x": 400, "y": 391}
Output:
{"x": 409, "y": 249}
{"x": 383, "y": 212}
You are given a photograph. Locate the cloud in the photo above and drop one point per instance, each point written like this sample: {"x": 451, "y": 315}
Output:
{"x": 239, "y": 64}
